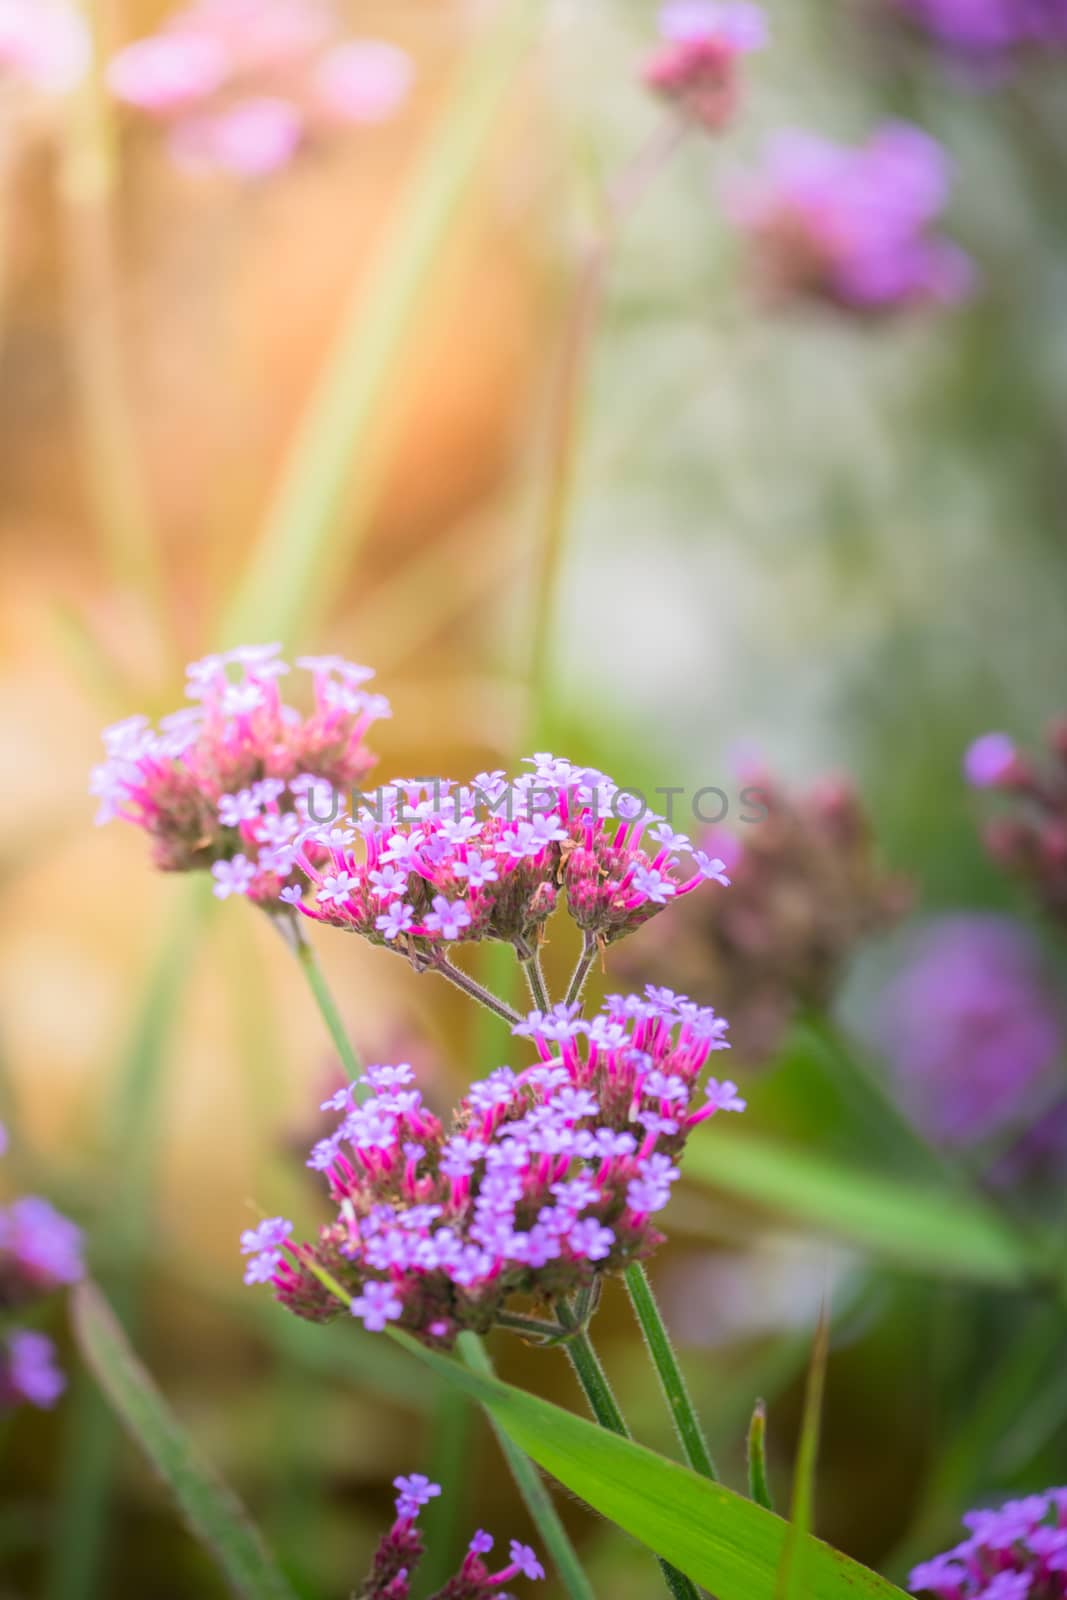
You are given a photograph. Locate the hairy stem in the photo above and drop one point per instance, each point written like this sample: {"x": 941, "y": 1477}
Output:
{"x": 320, "y": 990}
{"x": 605, "y": 1408}
{"x": 535, "y": 978}
{"x": 582, "y": 970}
{"x": 686, "y": 1422}
{"x": 474, "y": 989}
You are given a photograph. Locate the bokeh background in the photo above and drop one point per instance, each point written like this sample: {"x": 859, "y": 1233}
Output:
{"x": 826, "y": 543}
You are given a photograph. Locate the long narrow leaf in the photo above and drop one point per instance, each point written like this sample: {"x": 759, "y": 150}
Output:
{"x": 214, "y": 1514}
{"x": 719, "y": 1539}
{"x": 322, "y": 501}
{"x": 922, "y": 1226}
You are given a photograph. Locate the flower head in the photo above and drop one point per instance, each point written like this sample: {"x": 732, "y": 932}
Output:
{"x": 1017, "y": 1551}
{"x": 431, "y": 864}
{"x": 548, "y": 1177}
{"x": 228, "y": 784}
{"x": 1029, "y": 836}
{"x": 40, "y": 1250}
{"x": 243, "y": 85}
{"x": 984, "y": 32}
{"x": 695, "y": 65}
{"x": 854, "y": 225}
{"x": 400, "y": 1550}
{"x": 28, "y": 1370}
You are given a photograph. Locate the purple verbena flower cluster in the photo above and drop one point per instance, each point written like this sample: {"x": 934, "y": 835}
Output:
{"x": 695, "y": 65}
{"x": 1017, "y": 1551}
{"x": 1030, "y": 840}
{"x": 548, "y": 1178}
{"x": 420, "y": 866}
{"x": 222, "y": 785}
{"x": 40, "y": 1251}
{"x": 991, "y": 29}
{"x": 401, "y": 1549}
{"x": 854, "y": 225}
{"x": 242, "y": 85}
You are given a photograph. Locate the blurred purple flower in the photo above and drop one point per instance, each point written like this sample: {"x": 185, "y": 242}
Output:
{"x": 972, "y": 1028}
{"x": 990, "y": 28}
{"x": 853, "y": 225}
{"x": 990, "y": 760}
{"x": 28, "y": 1370}
{"x": 39, "y": 1246}
{"x": 695, "y": 66}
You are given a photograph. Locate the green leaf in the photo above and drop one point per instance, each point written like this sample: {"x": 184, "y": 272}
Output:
{"x": 214, "y": 1514}
{"x": 927, "y": 1227}
{"x": 718, "y": 1538}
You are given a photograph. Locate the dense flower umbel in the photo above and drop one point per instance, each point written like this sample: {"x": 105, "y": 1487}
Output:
{"x": 420, "y": 866}
{"x": 984, "y": 29}
{"x": 973, "y": 1028}
{"x": 695, "y": 66}
{"x": 243, "y": 84}
{"x": 40, "y": 1251}
{"x": 222, "y": 785}
{"x": 1030, "y": 840}
{"x": 807, "y": 888}
{"x": 548, "y": 1178}
{"x": 401, "y": 1549}
{"x": 854, "y": 225}
{"x": 1015, "y": 1552}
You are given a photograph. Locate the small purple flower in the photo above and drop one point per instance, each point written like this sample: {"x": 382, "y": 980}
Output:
{"x": 271, "y": 1234}
{"x": 524, "y": 1560}
{"x": 397, "y": 920}
{"x": 1015, "y": 1552}
{"x": 28, "y": 1370}
{"x": 989, "y": 760}
{"x": 377, "y": 1305}
{"x": 232, "y": 877}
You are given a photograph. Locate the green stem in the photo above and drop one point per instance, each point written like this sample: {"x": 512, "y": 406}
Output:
{"x": 535, "y": 979}
{"x": 581, "y": 972}
{"x": 758, "y": 1485}
{"x": 605, "y": 1408}
{"x": 670, "y": 1376}
{"x": 449, "y": 1463}
{"x": 320, "y": 989}
{"x": 531, "y": 1486}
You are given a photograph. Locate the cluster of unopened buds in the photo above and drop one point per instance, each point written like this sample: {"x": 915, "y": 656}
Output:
{"x": 401, "y": 1549}
{"x": 422, "y": 865}
{"x": 222, "y": 785}
{"x": 807, "y": 888}
{"x": 1017, "y": 1551}
{"x": 1031, "y": 841}
{"x": 547, "y": 1180}
{"x": 242, "y": 85}
{"x": 854, "y": 225}
{"x": 694, "y": 67}
{"x": 40, "y": 1252}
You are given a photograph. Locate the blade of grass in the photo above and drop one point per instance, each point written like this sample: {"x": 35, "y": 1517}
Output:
{"x": 305, "y": 544}
{"x": 791, "y": 1578}
{"x": 444, "y": 1519}
{"x": 758, "y": 1485}
{"x": 214, "y": 1514}
{"x": 91, "y": 1439}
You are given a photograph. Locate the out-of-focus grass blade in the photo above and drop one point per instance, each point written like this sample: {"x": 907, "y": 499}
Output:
{"x": 719, "y": 1539}
{"x": 330, "y": 481}
{"x": 916, "y": 1224}
{"x": 792, "y": 1578}
{"x": 213, "y": 1512}
{"x": 758, "y": 1485}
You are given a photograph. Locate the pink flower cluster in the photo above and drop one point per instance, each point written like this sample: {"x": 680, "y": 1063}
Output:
{"x": 40, "y": 1251}
{"x": 44, "y": 46}
{"x": 695, "y": 66}
{"x": 419, "y": 865}
{"x": 1030, "y": 839}
{"x": 242, "y": 85}
{"x": 401, "y": 1549}
{"x": 221, "y": 785}
{"x": 1017, "y": 1551}
{"x": 548, "y": 1178}
{"x": 854, "y": 225}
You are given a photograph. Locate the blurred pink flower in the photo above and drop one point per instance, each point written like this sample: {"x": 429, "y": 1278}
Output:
{"x": 244, "y": 84}
{"x": 44, "y": 45}
{"x": 695, "y": 65}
